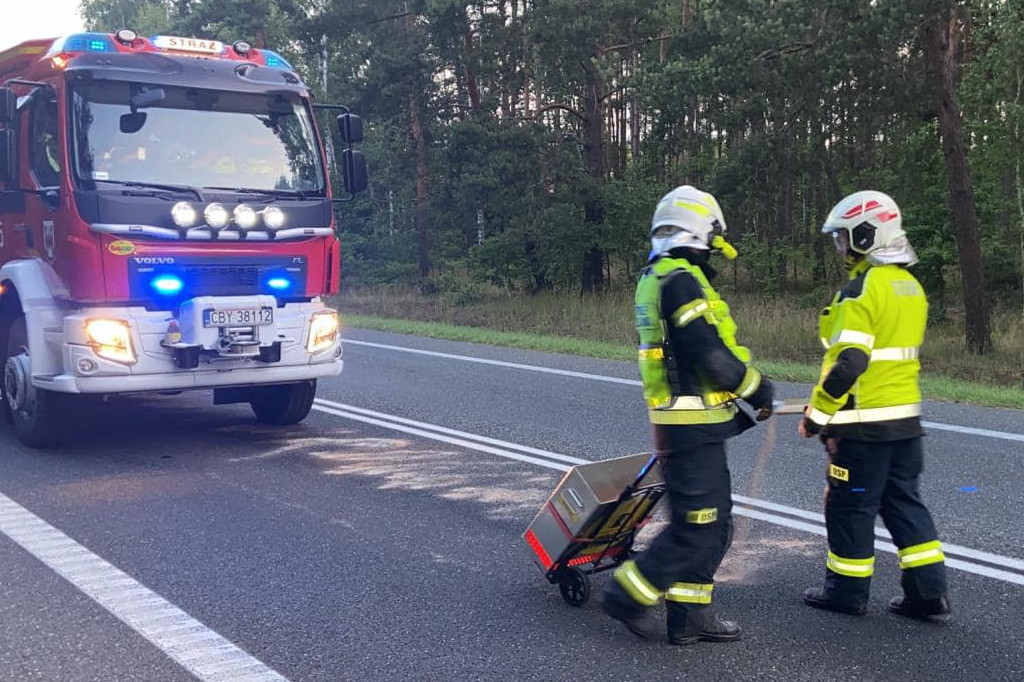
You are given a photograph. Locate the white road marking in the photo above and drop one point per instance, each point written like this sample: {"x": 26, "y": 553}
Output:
{"x": 751, "y": 507}
{"x": 204, "y": 653}
{"x": 938, "y": 426}
{"x": 452, "y": 432}
{"x": 436, "y": 436}
{"x": 952, "y": 562}
{"x": 967, "y": 552}
{"x": 971, "y": 431}
{"x": 498, "y": 363}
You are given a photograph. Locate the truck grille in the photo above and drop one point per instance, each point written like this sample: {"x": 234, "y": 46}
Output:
{"x": 284, "y": 277}
{"x": 221, "y": 280}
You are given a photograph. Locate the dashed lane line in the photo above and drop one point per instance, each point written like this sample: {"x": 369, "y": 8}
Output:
{"x": 938, "y": 426}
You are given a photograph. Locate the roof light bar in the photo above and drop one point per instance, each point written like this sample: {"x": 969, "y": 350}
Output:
{"x": 84, "y": 42}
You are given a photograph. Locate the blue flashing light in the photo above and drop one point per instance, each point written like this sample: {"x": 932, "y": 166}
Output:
{"x": 275, "y": 61}
{"x": 279, "y": 283}
{"x": 167, "y": 285}
{"x": 87, "y": 42}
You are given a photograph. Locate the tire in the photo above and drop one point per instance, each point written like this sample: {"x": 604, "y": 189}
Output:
{"x": 574, "y": 585}
{"x": 284, "y": 405}
{"x": 39, "y": 424}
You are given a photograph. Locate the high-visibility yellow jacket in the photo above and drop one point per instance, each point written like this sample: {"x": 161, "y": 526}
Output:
{"x": 872, "y": 332}
{"x": 692, "y": 368}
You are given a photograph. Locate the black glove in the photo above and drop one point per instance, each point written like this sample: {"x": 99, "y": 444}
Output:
{"x": 813, "y": 429}
{"x": 763, "y": 400}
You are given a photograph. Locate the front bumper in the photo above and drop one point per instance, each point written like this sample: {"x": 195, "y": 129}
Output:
{"x": 155, "y": 371}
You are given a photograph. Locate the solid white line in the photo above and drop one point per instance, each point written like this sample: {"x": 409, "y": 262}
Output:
{"x": 971, "y": 431}
{"x": 472, "y": 442}
{"x": 938, "y": 426}
{"x": 444, "y": 439}
{"x": 967, "y": 552}
{"x": 94, "y": 576}
{"x": 453, "y": 432}
{"x": 498, "y": 363}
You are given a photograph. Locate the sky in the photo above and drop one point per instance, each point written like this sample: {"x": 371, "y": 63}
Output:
{"x": 26, "y": 19}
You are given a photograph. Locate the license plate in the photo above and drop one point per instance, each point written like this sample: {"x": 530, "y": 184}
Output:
{"x": 238, "y": 317}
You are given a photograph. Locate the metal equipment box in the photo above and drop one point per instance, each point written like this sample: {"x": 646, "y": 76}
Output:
{"x": 589, "y": 522}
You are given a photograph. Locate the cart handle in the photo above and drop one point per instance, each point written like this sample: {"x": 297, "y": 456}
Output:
{"x": 644, "y": 470}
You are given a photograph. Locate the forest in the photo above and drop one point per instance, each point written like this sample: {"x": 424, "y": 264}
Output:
{"x": 522, "y": 144}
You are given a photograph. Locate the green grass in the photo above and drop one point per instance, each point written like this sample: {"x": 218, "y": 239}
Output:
{"x": 781, "y": 332}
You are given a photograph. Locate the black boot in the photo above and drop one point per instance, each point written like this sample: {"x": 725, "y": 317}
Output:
{"x": 640, "y": 620}
{"x": 818, "y": 598}
{"x": 932, "y": 610}
{"x": 693, "y": 625}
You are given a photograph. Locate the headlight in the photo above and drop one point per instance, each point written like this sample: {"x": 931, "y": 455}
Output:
{"x": 111, "y": 339}
{"x": 217, "y": 217}
{"x": 273, "y": 217}
{"x": 184, "y": 215}
{"x": 245, "y": 217}
{"x": 323, "y": 331}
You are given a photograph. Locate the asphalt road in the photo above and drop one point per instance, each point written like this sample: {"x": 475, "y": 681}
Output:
{"x": 380, "y": 540}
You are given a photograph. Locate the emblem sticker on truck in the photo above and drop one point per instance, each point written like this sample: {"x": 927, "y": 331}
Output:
{"x": 49, "y": 240}
{"x": 121, "y": 248}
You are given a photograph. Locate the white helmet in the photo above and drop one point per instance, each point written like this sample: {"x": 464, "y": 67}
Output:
{"x": 871, "y": 220}
{"x": 698, "y": 218}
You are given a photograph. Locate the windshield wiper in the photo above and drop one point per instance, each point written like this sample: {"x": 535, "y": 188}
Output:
{"x": 182, "y": 189}
{"x": 271, "y": 193}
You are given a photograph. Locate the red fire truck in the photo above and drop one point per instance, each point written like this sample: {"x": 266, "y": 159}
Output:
{"x": 166, "y": 224}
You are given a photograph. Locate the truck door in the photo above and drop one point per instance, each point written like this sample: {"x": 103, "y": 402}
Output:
{"x": 45, "y": 170}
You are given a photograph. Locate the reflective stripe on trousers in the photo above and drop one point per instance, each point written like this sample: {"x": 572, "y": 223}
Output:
{"x": 690, "y": 593}
{"x": 630, "y": 578}
{"x": 921, "y": 555}
{"x": 852, "y": 568}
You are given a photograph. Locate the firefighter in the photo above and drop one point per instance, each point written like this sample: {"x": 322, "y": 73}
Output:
{"x": 866, "y": 409}
{"x": 693, "y": 373}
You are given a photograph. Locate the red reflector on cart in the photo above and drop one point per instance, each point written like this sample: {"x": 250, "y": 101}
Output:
{"x": 538, "y": 549}
{"x": 589, "y": 558}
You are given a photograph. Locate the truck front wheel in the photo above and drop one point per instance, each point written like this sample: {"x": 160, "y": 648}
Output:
{"x": 34, "y": 413}
{"x": 284, "y": 405}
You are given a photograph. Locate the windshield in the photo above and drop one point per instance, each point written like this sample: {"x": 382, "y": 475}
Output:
{"x": 194, "y": 137}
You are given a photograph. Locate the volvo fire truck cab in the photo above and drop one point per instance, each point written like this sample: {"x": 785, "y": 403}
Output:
{"x": 166, "y": 224}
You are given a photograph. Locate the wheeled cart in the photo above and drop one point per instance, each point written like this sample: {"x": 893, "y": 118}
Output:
{"x": 590, "y": 521}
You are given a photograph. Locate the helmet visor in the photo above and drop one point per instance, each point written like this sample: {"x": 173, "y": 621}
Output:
{"x": 665, "y": 231}
{"x": 841, "y": 240}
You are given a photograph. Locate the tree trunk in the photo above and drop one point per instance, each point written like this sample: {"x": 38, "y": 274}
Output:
{"x": 593, "y": 259}
{"x": 943, "y": 43}
{"x": 422, "y": 185}
{"x": 472, "y": 84}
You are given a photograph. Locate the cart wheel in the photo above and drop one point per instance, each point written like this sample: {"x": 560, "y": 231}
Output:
{"x": 574, "y": 585}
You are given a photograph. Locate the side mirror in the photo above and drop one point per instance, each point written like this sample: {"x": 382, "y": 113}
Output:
{"x": 350, "y": 127}
{"x": 357, "y": 177}
{"x": 8, "y": 156}
{"x": 133, "y": 122}
{"x": 8, "y": 106}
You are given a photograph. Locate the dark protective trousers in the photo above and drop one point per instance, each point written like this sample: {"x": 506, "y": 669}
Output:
{"x": 870, "y": 478}
{"x": 699, "y": 496}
